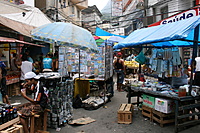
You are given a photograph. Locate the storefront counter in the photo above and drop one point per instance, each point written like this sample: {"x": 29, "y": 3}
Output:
{"x": 82, "y": 85}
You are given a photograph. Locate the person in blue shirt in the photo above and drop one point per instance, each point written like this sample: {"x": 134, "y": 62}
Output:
{"x": 47, "y": 62}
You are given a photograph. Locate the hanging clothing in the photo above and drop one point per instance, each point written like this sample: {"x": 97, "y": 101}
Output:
{"x": 47, "y": 63}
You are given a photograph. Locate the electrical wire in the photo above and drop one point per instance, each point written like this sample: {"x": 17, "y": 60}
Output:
{"x": 146, "y": 16}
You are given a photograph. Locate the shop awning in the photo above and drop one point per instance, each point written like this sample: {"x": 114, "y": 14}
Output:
{"x": 22, "y": 28}
{"x": 179, "y": 33}
{"x": 22, "y": 19}
{"x": 12, "y": 40}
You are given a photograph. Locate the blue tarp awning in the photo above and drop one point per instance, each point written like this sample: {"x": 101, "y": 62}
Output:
{"x": 100, "y": 32}
{"x": 167, "y": 35}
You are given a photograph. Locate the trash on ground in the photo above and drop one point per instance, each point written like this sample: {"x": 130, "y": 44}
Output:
{"x": 82, "y": 121}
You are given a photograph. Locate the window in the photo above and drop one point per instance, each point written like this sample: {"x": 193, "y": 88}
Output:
{"x": 78, "y": 14}
{"x": 164, "y": 12}
{"x": 72, "y": 9}
{"x": 154, "y": 14}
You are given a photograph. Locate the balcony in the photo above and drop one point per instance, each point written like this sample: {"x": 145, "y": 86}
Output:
{"x": 81, "y": 4}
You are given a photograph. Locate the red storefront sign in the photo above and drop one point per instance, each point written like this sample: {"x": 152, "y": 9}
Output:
{"x": 180, "y": 16}
{"x": 197, "y": 2}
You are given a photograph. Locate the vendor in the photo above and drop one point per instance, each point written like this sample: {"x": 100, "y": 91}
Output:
{"x": 197, "y": 71}
{"x": 120, "y": 70}
{"x": 182, "y": 80}
{"x": 39, "y": 102}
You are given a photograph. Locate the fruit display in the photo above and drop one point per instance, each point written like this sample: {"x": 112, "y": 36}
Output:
{"x": 131, "y": 64}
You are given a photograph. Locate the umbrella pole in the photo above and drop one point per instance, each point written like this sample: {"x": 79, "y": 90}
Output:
{"x": 194, "y": 54}
{"x": 105, "y": 79}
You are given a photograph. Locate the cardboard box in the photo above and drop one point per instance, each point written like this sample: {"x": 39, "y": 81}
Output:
{"x": 125, "y": 113}
{"x": 148, "y": 100}
{"x": 164, "y": 105}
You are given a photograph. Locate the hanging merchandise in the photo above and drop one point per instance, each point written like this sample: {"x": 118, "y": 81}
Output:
{"x": 176, "y": 59}
{"x": 165, "y": 62}
{"x": 140, "y": 58}
{"x": 59, "y": 98}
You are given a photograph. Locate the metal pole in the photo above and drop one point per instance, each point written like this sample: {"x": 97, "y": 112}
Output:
{"x": 79, "y": 64}
{"x": 194, "y": 54}
{"x": 105, "y": 79}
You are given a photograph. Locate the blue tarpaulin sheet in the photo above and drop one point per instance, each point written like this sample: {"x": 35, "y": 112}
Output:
{"x": 167, "y": 35}
{"x": 100, "y": 32}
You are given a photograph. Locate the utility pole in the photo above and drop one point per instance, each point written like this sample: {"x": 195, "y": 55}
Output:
{"x": 56, "y": 10}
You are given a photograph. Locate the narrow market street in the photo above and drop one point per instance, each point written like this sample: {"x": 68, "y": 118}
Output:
{"x": 100, "y": 66}
{"x": 106, "y": 119}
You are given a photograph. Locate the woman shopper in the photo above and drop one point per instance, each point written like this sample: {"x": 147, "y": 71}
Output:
{"x": 120, "y": 70}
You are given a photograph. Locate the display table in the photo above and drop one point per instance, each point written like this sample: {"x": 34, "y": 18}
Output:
{"x": 185, "y": 107}
{"x": 13, "y": 83}
{"x": 131, "y": 70}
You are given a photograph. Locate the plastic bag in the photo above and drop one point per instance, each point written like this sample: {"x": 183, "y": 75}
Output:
{"x": 140, "y": 58}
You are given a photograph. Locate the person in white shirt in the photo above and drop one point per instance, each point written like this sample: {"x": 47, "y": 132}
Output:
{"x": 26, "y": 66}
{"x": 197, "y": 72}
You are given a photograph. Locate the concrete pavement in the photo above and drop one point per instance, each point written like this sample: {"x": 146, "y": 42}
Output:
{"x": 106, "y": 120}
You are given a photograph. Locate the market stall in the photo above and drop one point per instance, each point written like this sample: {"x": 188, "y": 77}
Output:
{"x": 77, "y": 59}
{"x": 162, "y": 37}
{"x": 9, "y": 46}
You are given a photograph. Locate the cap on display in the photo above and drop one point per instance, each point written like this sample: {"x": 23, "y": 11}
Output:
{"x": 29, "y": 75}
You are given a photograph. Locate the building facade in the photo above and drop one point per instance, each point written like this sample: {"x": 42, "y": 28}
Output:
{"x": 63, "y": 10}
{"x": 157, "y": 10}
{"x": 91, "y": 17}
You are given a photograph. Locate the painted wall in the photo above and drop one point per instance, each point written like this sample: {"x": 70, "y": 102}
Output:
{"x": 29, "y": 2}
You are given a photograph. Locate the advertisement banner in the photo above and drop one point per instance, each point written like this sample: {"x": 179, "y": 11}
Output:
{"x": 180, "y": 16}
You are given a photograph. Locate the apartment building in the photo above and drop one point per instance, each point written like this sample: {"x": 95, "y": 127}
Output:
{"x": 63, "y": 10}
{"x": 157, "y": 10}
{"x": 91, "y": 17}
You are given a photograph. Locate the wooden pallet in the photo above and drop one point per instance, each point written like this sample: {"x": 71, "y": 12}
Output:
{"x": 147, "y": 112}
{"x": 163, "y": 118}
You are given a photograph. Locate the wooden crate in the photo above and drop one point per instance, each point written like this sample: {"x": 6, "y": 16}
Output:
{"x": 15, "y": 89}
{"x": 14, "y": 129}
{"x": 163, "y": 118}
{"x": 125, "y": 114}
{"x": 9, "y": 123}
{"x": 147, "y": 111}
